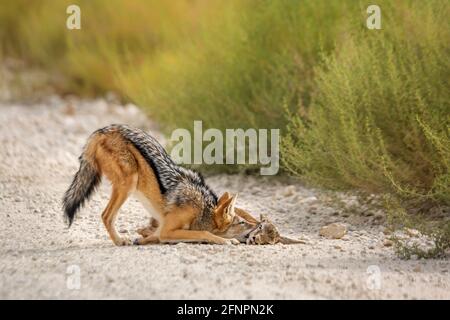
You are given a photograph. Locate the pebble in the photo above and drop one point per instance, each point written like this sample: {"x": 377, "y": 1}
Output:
{"x": 333, "y": 231}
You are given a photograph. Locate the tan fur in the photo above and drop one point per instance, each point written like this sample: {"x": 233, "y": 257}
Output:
{"x": 267, "y": 233}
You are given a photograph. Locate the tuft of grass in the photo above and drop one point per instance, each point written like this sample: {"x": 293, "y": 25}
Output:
{"x": 433, "y": 240}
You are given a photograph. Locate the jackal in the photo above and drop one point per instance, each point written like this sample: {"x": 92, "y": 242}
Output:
{"x": 185, "y": 207}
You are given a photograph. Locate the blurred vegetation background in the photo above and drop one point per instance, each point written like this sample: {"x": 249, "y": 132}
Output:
{"x": 357, "y": 108}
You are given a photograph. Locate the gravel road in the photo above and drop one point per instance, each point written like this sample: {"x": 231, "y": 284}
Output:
{"x": 41, "y": 258}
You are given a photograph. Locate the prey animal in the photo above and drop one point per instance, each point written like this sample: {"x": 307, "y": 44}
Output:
{"x": 185, "y": 207}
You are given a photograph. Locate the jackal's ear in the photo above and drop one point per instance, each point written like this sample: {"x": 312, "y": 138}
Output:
{"x": 226, "y": 208}
{"x": 221, "y": 214}
{"x": 223, "y": 198}
{"x": 220, "y": 208}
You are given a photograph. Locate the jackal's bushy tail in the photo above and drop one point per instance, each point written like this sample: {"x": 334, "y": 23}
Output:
{"x": 83, "y": 185}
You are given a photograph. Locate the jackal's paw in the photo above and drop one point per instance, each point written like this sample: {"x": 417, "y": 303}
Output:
{"x": 231, "y": 241}
{"x": 123, "y": 242}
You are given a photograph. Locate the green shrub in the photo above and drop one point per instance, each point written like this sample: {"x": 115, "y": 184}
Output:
{"x": 380, "y": 118}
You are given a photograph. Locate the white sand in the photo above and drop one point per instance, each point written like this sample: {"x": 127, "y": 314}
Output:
{"x": 39, "y": 146}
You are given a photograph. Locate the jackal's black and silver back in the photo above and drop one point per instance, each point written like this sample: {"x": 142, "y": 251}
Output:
{"x": 178, "y": 185}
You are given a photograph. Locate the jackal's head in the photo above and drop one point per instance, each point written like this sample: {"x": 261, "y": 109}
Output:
{"x": 230, "y": 221}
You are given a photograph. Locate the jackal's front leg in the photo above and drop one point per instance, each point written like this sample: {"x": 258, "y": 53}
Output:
{"x": 181, "y": 235}
{"x": 173, "y": 229}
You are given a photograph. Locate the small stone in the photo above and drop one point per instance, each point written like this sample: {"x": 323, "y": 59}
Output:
{"x": 288, "y": 191}
{"x": 333, "y": 231}
{"x": 308, "y": 199}
{"x": 417, "y": 268}
{"x": 387, "y": 243}
{"x": 123, "y": 231}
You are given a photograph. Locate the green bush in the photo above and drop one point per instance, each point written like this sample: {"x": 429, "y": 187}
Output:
{"x": 241, "y": 66}
{"x": 379, "y": 120}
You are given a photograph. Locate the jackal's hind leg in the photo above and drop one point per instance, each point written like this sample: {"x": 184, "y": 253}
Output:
{"x": 119, "y": 195}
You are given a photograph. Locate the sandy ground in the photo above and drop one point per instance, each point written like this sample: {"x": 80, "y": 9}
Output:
{"x": 41, "y": 258}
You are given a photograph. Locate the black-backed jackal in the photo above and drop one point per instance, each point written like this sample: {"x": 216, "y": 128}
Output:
{"x": 185, "y": 208}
